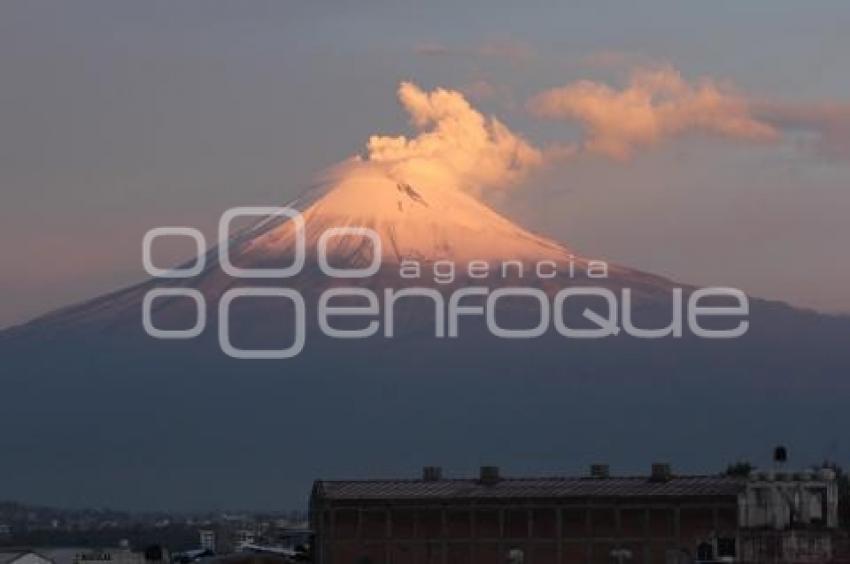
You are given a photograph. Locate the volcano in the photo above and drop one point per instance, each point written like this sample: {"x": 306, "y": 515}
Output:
{"x": 142, "y": 422}
{"x": 439, "y": 230}
{"x": 423, "y": 222}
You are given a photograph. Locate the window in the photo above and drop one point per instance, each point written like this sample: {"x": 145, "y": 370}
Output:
{"x": 515, "y": 556}
{"x": 705, "y": 551}
{"x": 725, "y": 547}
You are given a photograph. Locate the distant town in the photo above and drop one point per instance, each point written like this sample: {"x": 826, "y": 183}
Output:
{"x": 80, "y": 536}
{"x": 742, "y": 514}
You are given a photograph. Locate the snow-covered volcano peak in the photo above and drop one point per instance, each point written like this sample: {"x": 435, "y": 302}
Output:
{"x": 415, "y": 220}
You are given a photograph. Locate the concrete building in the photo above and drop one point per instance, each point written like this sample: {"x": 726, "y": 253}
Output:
{"x": 80, "y": 555}
{"x": 788, "y": 517}
{"x": 660, "y": 518}
{"x": 207, "y": 540}
{"x": 109, "y": 556}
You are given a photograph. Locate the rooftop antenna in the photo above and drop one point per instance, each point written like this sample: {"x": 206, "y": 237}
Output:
{"x": 780, "y": 456}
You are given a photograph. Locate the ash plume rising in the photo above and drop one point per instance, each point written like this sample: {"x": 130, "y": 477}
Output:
{"x": 455, "y": 145}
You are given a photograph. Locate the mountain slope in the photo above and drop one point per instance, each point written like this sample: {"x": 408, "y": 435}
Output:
{"x": 139, "y": 422}
{"x": 428, "y": 224}
{"x": 423, "y": 222}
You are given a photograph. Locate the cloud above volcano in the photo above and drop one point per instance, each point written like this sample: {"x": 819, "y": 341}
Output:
{"x": 826, "y": 123}
{"x": 456, "y": 144}
{"x": 655, "y": 105}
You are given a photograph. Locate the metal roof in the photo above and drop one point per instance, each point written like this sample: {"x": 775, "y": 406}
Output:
{"x": 388, "y": 490}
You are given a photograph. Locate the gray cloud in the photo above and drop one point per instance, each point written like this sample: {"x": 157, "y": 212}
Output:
{"x": 827, "y": 122}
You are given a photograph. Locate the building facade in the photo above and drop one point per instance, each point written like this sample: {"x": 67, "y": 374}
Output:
{"x": 788, "y": 517}
{"x": 660, "y": 518}
{"x": 207, "y": 540}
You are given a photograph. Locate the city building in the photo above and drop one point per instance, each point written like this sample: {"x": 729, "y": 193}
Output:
{"x": 23, "y": 557}
{"x": 244, "y": 537}
{"x": 89, "y": 555}
{"x": 659, "y": 518}
{"x": 207, "y": 540}
{"x": 121, "y": 555}
{"x": 788, "y": 517}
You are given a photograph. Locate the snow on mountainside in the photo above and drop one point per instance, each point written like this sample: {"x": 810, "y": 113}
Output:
{"x": 422, "y": 222}
{"x": 416, "y": 195}
{"x": 415, "y": 221}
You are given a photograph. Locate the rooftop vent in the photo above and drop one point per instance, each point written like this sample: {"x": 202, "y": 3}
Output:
{"x": 661, "y": 472}
{"x": 489, "y": 475}
{"x": 432, "y": 473}
{"x": 599, "y": 471}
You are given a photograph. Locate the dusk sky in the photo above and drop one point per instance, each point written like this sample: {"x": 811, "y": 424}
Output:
{"x": 116, "y": 117}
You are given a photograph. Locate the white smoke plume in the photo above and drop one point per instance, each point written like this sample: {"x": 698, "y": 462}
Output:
{"x": 655, "y": 105}
{"x": 456, "y": 145}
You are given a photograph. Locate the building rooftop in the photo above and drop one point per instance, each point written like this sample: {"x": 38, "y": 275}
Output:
{"x": 551, "y": 487}
{"x": 9, "y": 555}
